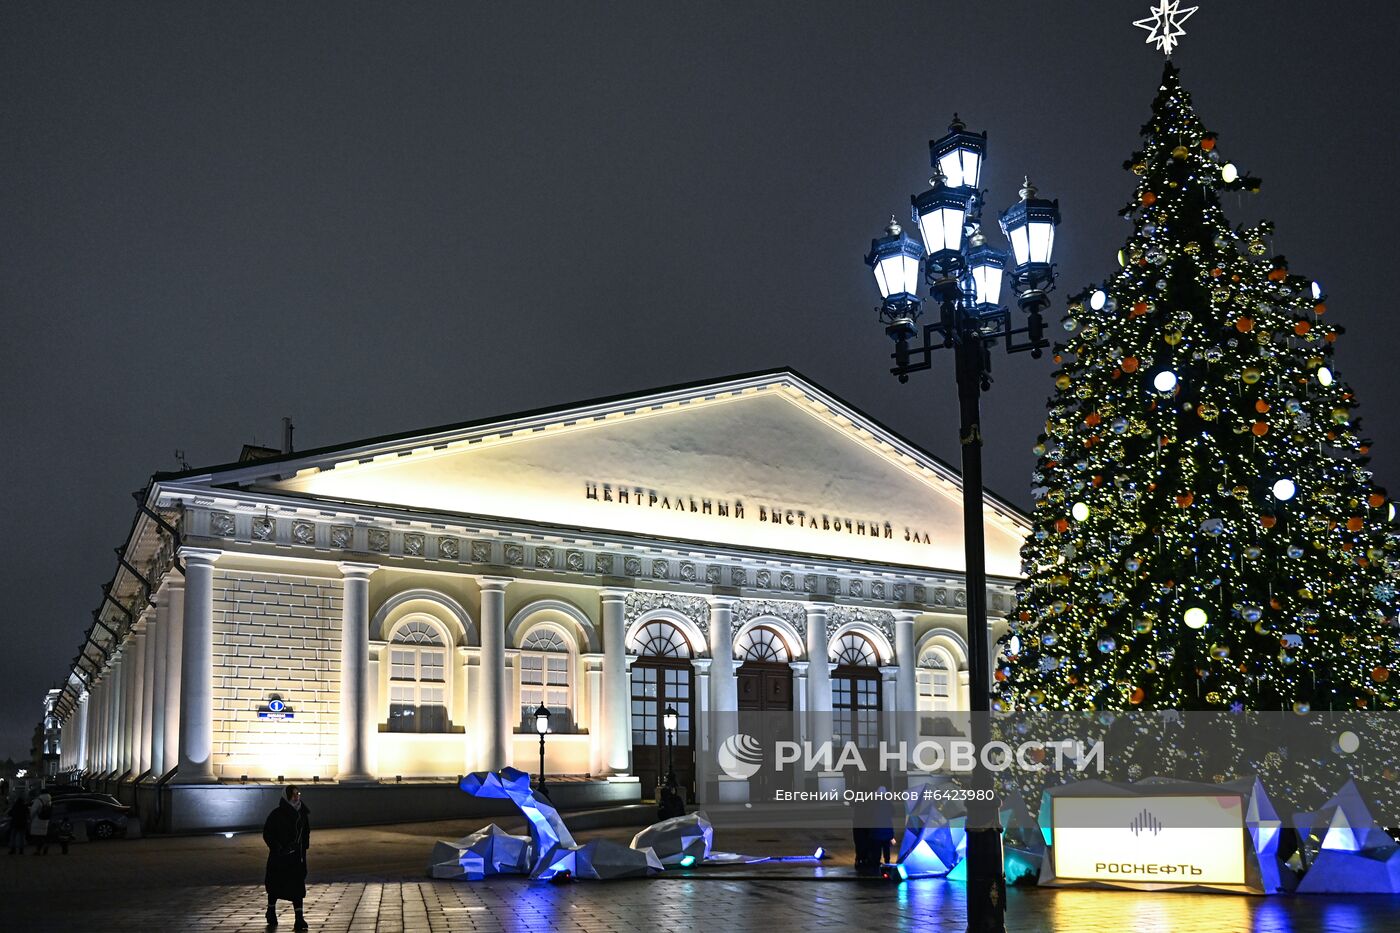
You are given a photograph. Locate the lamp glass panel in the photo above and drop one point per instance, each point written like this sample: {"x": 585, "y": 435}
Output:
{"x": 1042, "y": 240}
{"x": 1020, "y": 244}
{"x": 988, "y": 281}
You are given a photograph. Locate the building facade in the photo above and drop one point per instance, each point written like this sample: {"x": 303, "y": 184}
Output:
{"x": 395, "y": 609}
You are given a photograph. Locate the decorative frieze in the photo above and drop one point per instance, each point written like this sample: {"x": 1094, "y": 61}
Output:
{"x": 660, "y": 570}
{"x": 264, "y": 528}
{"x": 882, "y": 619}
{"x": 448, "y": 548}
{"x": 544, "y": 558}
{"x": 378, "y": 539}
{"x": 687, "y": 572}
{"x": 221, "y": 524}
{"x": 694, "y": 608}
{"x": 603, "y": 564}
{"x": 304, "y": 533}
{"x": 342, "y": 536}
{"x": 792, "y": 613}
{"x": 515, "y": 555}
{"x": 575, "y": 561}
{"x": 481, "y": 552}
{"x": 413, "y": 545}
{"x": 764, "y": 579}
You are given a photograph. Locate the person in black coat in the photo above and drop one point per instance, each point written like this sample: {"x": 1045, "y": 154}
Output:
{"x": 287, "y": 833}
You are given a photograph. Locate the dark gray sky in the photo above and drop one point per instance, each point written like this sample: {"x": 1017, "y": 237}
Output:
{"x": 386, "y": 216}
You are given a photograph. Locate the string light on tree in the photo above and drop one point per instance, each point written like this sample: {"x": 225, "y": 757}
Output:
{"x": 1203, "y": 501}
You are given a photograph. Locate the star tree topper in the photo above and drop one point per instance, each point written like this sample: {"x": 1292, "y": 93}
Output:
{"x": 1164, "y": 26}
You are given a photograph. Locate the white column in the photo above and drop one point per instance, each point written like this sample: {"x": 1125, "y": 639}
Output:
{"x": 148, "y": 693}
{"x": 700, "y": 722}
{"x": 138, "y": 699}
{"x": 907, "y": 694}
{"x": 161, "y": 641}
{"x": 80, "y": 756}
{"x": 819, "y": 674}
{"x": 124, "y": 710}
{"x": 724, "y": 689}
{"x": 492, "y": 695}
{"x": 104, "y": 748}
{"x": 197, "y": 670}
{"x": 593, "y": 679}
{"x": 355, "y": 719}
{"x": 617, "y": 733}
{"x": 174, "y": 665}
{"x": 799, "y": 699}
{"x": 97, "y": 722}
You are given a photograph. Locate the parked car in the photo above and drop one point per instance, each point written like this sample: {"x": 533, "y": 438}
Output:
{"x": 103, "y": 819}
{"x": 64, "y": 790}
{"x": 101, "y": 815}
{"x": 90, "y": 795}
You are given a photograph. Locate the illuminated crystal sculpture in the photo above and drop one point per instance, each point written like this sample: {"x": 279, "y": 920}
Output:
{"x": 598, "y": 859}
{"x": 933, "y": 844}
{"x": 1354, "y": 855}
{"x": 681, "y": 836}
{"x": 488, "y": 851}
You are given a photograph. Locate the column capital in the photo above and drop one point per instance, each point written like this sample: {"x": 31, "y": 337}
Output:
{"x": 888, "y": 672}
{"x": 701, "y": 665}
{"x": 799, "y": 668}
{"x": 489, "y": 583}
{"x": 723, "y": 602}
{"x": 613, "y": 594}
{"x": 356, "y": 571}
{"x": 200, "y": 555}
{"x": 817, "y": 610}
{"x": 906, "y": 616}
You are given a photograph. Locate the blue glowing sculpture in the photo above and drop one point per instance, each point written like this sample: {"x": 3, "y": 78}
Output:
{"x": 933, "y": 844}
{"x": 553, "y": 848}
{"x": 489, "y": 851}
{"x": 681, "y": 837}
{"x": 547, "y": 829}
{"x": 1354, "y": 854}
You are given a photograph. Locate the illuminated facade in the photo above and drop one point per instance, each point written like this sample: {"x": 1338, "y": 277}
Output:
{"x": 399, "y": 606}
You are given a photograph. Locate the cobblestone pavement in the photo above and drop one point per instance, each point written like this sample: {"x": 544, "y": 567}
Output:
{"x": 371, "y": 881}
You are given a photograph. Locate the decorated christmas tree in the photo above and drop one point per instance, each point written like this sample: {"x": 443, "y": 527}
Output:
{"x": 1206, "y": 534}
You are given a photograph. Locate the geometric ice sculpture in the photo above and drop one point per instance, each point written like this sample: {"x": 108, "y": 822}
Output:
{"x": 489, "y": 851}
{"x": 1356, "y": 856}
{"x": 547, "y": 828}
{"x": 932, "y": 844}
{"x": 598, "y": 859}
{"x": 681, "y": 836}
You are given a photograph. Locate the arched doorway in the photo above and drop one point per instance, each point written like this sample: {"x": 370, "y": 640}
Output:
{"x": 765, "y": 701}
{"x": 662, "y": 676}
{"x": 855, "y": 696}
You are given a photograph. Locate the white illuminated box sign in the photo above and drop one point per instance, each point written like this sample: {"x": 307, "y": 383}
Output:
{"x": 1195, "y": 839}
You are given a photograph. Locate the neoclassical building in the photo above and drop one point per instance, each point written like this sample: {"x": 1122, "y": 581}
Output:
{"x": 393, "y": 609}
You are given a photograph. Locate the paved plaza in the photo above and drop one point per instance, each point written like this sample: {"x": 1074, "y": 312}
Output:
{"x": 372, "y": 881}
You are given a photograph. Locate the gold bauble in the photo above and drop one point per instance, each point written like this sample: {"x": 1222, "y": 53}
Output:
{"x": 1180, "y": 153}
{"x": 1257, "y": 248}
{"x": 1192, "y": 248}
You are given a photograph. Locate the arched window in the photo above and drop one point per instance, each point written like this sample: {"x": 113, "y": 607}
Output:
{"x": 852, "y": 650}
{"x": 855, "y": 690}
{"x": 659, "y": 639}
{"x": 763, "y": 645}
{"x": 935, "y": 679}
{"x": 545, "y": 661}
{"x": 417, "y": 678}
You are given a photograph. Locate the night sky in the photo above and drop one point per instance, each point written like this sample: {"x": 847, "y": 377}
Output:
{"x": 381, "y": 217}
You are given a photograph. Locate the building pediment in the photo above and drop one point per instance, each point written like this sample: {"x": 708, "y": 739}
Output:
{"x": 767, "y": 462}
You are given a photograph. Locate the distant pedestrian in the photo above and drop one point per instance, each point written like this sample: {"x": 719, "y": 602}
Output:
{"x": 881, "y": 836}
{"x": 61, "y": 831}
{"x": 287, "y": 833}
{"x": 40, "y": 812}
{"x": 19, "y": 824}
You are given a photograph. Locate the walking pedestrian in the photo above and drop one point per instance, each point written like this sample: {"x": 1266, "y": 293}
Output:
{"x": 287, "y": 833}
{"x": 40, "y": 811}
{"x": 19, "y": 824}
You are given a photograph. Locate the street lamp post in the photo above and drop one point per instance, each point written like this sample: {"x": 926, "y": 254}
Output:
{"x": 542, "y": 727}
{"x": 964, "y": 276}
{"x": 670, "y": 719}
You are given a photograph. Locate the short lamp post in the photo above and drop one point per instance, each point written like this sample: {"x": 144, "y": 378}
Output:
{"x": 964, "y": 276}
{"x": 542, "y": 727}
{"x": 670, "y": 719}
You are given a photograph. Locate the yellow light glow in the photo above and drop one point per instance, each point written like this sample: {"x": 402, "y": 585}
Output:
{"x": 1150, "y": 840}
